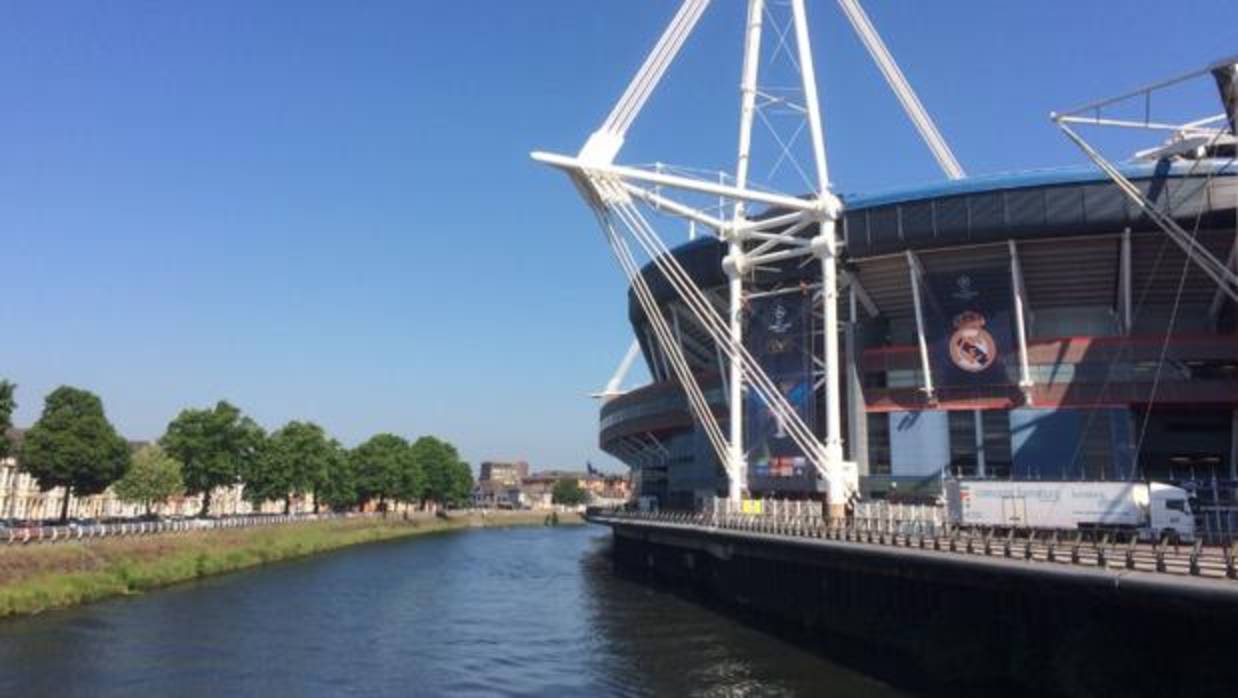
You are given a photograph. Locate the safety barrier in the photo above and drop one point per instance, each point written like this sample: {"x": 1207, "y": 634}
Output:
{"x": 925, "y": 533}
{"x": 51, "y": 534}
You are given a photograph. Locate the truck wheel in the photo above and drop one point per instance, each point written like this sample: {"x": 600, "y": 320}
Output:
{"x": 1171, "y": 536}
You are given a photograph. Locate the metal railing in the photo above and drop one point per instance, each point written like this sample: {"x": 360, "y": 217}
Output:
{"x": 927, "y": 533}
{"x": 24, "y": 535}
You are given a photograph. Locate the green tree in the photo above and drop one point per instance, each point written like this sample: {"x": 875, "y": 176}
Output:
{"x": 293, "y": 462}
{"x": 215, "y": 446}
{"x": 7, "y": 405}
{"x": 568, "y": 492}
{"x": 74, "y": 446}
{"x": 448, "y": 480}
{"x": 377, "y": 467}
{"x": 462, "y": 485}
{"x": 339, "y": 489}
{"x": 153, "y": 477}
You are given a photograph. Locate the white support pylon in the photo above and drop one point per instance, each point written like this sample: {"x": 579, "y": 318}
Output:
{"x": 735, "y": 264}
{"x": 614, "y": 191}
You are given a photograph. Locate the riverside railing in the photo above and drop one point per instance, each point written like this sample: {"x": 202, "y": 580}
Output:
{"x": 795, "y": 519}
{"x": 22, "y": 535}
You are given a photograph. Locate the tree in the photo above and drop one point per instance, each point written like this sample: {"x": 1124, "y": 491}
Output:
{"x": 7, "y": 405}
{"x": 462, "y": 484}
{"x": 214, "y": 447}
{"x": 74, "y": 446}
{"x": 377, "y": 466}
{"x": 293, "y": 461}
{"x": 568, "y": 492}
{"x": 339, "y": 489}
{"x": 448, "y": 480}
{"x": 153, "y": 477}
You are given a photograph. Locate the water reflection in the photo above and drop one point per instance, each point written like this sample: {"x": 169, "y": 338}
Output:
{"x": 499, "y": 612}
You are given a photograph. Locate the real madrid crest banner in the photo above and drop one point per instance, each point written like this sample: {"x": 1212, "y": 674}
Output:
{"x": 968, "y": 326}
{"x": 779, "y": 335}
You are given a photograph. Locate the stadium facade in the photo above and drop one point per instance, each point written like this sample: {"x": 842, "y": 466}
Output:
{"x": 1036, "y": 325}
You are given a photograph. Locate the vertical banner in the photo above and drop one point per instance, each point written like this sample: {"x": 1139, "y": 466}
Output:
{"x": 968, "y": 327}
{"x": 779, "y": 336}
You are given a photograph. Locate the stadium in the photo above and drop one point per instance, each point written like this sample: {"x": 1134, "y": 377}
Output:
{"x": 1033, "y": 326}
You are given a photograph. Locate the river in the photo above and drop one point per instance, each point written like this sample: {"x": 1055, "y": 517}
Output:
{"x": 521, "y": 612}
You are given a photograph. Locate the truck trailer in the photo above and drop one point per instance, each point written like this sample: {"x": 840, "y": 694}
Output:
{"x": 1148, "y": 510}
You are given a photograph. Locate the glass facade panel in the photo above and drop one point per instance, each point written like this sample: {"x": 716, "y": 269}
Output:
{"x": 1096, "y": 321}
{"x": 996, "y": 425}
{"x": 963, "y": 460}
{"x": 878, "y": 443}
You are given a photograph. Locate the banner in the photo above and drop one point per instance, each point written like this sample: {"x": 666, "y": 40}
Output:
{"x": 779, "y": 335}
{"x": 968, "y": 327}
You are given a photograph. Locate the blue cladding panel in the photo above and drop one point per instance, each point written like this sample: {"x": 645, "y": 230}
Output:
{"x": 1043, "y": 442}
{"x": 919, "y": 442}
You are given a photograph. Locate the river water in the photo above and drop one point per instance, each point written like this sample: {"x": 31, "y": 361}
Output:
{"x": 522, "y": 612}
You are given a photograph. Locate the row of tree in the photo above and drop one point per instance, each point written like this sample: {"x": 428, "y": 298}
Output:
{"x": 73, "y": 446}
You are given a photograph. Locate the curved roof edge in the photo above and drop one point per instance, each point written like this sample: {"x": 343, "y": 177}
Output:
{"x": 1073, "y": 174}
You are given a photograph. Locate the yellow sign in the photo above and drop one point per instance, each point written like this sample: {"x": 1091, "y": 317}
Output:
{"x": 751, "y": 506}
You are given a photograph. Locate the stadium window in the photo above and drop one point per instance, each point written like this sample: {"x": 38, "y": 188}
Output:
{"x": 963, "y": 442}
{"x": 878, "y": 443}
{"x": 997, "y": 459}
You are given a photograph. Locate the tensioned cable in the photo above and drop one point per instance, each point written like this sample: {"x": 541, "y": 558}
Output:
{"x": 707, "y": 314}
{"x": 696, "y": 399}
{"x": 634, "y": 221}
{"x": 682, "y": 370}
{"x": 1173, "y": 318}
{"x": 1143, "y": 295}
{"x": 638, "y": 91}
{"x": 765, "y": 389}
{"x": 1220, "y": 273}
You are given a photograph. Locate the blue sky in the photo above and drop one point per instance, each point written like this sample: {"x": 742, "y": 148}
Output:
{"x": 326, "y": 210}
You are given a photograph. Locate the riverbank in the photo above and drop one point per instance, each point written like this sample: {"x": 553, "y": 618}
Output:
{"x": 36, "y": 578}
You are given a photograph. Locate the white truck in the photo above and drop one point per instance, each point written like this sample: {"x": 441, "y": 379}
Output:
{"x": 1148, "y": 510}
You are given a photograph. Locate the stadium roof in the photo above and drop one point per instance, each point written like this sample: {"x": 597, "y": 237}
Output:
{"x": 1076, "y": 174}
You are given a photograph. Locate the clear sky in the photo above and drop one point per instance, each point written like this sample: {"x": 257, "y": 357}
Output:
{"x": 326, "y": 210}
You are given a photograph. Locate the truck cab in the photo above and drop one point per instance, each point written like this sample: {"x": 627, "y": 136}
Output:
{"x": 1169, "y": 513}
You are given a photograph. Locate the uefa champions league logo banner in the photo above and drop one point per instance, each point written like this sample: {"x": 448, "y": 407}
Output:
{"x": 779, "y": 335}
{"x": 968, "y": 327}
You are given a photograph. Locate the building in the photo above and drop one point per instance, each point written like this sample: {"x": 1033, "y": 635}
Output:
{"x": 499, "y": 485}
{"x": 1034, "y": 325}
{"x": 498, "y": 494}
{"x": 495, "y": 489}
{"x": 508, "y": 473}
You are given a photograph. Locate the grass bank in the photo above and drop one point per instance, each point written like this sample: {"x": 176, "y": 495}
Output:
{"x": 36, "y": 578}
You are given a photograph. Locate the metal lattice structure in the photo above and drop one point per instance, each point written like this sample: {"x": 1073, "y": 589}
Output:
{"x": 791, "y": 226}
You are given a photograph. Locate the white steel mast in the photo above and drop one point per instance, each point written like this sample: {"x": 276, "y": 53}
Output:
{"x": 614, "y": 191}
